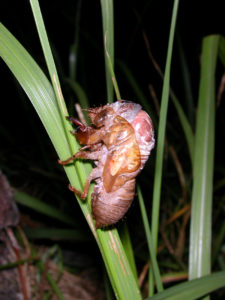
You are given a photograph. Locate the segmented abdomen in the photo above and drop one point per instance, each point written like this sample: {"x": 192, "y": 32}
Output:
{"x": 109, "y": 208}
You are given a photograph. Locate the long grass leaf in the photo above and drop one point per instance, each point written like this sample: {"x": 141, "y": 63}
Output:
{"x": 57, "y": 234}
{"x": 55, "y": 82}
{"x": 193, "y": 289}
{"x": 201, "y": 212}
{"x": 54, "y": 286}
{"x": 41, "y": 94}
{"x": 126, "y": 241}
{"x": 36, "y": 86}
{"x": 161, "y": 136}
{"x": 44, "y": 208}
{"x": 107, "y": 17}
{"x": 108, "y": 37}
{"x": 150, "y": 242}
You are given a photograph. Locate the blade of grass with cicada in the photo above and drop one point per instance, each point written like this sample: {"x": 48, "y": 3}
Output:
{"x": 41, "y": 94}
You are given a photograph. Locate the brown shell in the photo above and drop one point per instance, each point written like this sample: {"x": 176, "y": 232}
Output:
{"x": 109, "y": 208}
{"x": 119, "y": 141}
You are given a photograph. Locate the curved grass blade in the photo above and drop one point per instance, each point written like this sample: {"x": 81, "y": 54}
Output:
{"x": 36, "y": 86}
{"x": 55, "y": 82}
{"x": 57, "y": 234}
{"x": 44, "y": 208}
{"x": 151, "y": 248}
{"x": 201, "y": 207}
{"x": 41, "y": 94}
{"x": 193, "y": 289}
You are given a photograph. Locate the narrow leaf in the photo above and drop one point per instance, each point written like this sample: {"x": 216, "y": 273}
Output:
{"x": 41, "y": 94}
{"x": 193, "y": 289}
{"x": 201, "y": 212}
{"x": 108, "y": 37}
{"x": 44, "y": 208}
{"x": 161, "y": 137}
{"x": 150, "y": 242}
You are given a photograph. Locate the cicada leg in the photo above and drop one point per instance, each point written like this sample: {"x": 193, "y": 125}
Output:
{"x": 67, "y": 161}
{"x": 92, "y": 155}
{"x": 76, "y": 122}
{"x": 95, "y": 173}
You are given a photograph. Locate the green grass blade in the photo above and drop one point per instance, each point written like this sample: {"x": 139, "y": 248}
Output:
{"x": 41, "y": 94}
{"x": 48, "y": 56}
{"x": 44, "y": 208}
{"x": 201, "y": 212}
{"x": 54, "y": 286}
{"x": 193, "y": 289}
{"x": 150, "y": 242}
{"x": 55, "y": 81}
{"x": 124, "y": 279}
{"x": 108, "y": 36}
{"x": 126, "y": 241}
{"x": 36, "y": 86}
{"x": 161, "y": 132}
{"x": 107, "y": 16}
{"x": 161, "y": 136}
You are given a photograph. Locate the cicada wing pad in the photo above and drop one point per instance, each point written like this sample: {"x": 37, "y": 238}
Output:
{"x": 123, "y": 155}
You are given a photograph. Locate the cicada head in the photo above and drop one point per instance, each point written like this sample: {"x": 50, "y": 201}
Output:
{"x": 101, "y": 116}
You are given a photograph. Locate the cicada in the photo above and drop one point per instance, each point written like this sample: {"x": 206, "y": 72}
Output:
{"x": 119, "y": 141}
